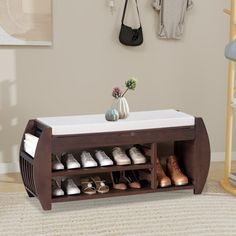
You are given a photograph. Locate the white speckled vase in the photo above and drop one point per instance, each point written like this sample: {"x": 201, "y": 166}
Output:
{"x": 121, "y": 105}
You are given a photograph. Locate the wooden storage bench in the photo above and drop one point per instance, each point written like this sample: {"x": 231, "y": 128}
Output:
{"x": 186, "y": 134}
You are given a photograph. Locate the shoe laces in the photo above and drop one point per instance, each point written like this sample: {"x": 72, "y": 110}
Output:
{"x": 135, "y": 150}
{"x": 175, "y": 165}
{"x": 70, "y": 156}
{"x": 56, "y": 158}
{"x": 120, "y": 152}
{"x": 55, "y": 184}
{"x": 104, "y": 155}
{"x": 87, "y": 156}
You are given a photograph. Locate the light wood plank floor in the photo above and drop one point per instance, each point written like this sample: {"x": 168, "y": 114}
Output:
{"x": 12, "y": 182}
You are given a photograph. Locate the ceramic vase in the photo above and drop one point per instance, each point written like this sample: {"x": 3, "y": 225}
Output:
{"x": 121, "y": 105}
{"x": 112, "y": 115}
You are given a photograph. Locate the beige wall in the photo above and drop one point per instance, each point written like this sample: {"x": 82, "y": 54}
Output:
{"x": 77, "y": 74}
{"x": 36, "y": 6}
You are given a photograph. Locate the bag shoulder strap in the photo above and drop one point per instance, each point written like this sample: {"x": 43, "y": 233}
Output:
{"x": 123, "y": 17}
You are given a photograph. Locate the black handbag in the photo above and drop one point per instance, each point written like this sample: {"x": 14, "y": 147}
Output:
{"x": 129, "y": 36}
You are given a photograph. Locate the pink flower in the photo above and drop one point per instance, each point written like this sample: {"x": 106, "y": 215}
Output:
{"x": 116, "y": 92}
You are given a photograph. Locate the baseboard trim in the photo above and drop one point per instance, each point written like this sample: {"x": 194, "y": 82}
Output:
{"x": 6, "y": 168}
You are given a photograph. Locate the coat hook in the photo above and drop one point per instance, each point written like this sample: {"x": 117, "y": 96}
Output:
{"x": 112, "y": 5}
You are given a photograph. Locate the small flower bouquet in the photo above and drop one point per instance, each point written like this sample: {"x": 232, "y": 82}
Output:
{"x": 129, "y": 84}
{"x": 120, "y": 103}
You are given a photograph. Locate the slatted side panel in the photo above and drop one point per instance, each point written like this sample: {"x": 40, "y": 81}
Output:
{"x": 27, "y": 174}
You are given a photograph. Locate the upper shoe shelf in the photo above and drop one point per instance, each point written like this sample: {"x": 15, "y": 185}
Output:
{"x": 84, "y": 124}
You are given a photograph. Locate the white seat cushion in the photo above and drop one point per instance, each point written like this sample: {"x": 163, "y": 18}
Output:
{"x": 83, "y": 124}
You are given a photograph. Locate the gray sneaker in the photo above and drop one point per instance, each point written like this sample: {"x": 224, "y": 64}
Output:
{"x": 69, "y": 187}
{"x": 136, "y": 156}
{"x": 69, "y": 161}
{"x": 103, "y": 159}
{"x": 120, "y": 157}
{"x": 56, "y": 163}
{"x": 56, "y": 190}
{"x": 87, "y": 160}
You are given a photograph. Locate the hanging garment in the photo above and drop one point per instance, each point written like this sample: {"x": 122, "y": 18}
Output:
{"x": 171, "y": 17}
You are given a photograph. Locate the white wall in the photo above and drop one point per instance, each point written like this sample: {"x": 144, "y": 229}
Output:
{"x": 77, "y": 74}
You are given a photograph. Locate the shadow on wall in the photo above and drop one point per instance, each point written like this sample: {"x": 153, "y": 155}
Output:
{"x": 9, "y": 122}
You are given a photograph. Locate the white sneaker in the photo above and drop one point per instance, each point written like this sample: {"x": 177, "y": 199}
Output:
{"x": 56, "y": 163}
{"x": 69, "y": 187}
{"x": 69, "y": 161}
{"x": 103, "y": 159}
{"x": 56, "y": 190}
{"x": 87, "y": 160}
{"x": 136, "y": 156}
{"x": 120, "y": 157}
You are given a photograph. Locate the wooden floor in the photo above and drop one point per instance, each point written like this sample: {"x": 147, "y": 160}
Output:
{"x": 13, "y": 183}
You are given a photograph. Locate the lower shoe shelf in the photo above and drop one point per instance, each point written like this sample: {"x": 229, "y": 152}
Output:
{"x": 98, "y": 170}
{"x": 118, "y": 193}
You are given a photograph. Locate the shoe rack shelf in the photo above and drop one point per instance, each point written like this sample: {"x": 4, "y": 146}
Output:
{"x": 119, "y": 193}
{"x": 98, "y": 170}
{"x": 191, "y": 144}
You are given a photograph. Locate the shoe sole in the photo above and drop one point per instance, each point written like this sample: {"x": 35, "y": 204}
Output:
{"x": 164, "y": 185}
{"x": 139, "y": 162}
{"x": 73, "y": 167}
{"x": 59, "y": 194}
{"x": 87, "y": 166}
{"x": 89, "y": 193}
{"x": 103, "y": 191}
{"x": 73, "y": 193}
{"x": 122, "y": 164}
{"x": 107, "y": 164}
{"x": 180, "y": 183}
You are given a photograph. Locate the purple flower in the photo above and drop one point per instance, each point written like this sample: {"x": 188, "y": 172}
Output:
{"x": 116, "y": 92}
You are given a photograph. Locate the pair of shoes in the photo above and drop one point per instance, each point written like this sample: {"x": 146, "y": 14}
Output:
{"x": 56, "y": 189}
{"x": 121, "y": 179}
{"x": 177, "y": 177}
{"x": 92, "y": 185}
{"x": 56, "y": 163}
{"x": 68, "y": 187}
{"x": 121, "y": 158}
{"x": 102, "y": 158}
{"x": 67, "y": 161}
{"x": 175, "y": 173}
{"x": 162, "y": 179}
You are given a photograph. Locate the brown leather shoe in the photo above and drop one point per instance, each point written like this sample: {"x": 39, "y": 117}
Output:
{"x": 131, "y": 179}
{"x": 115, "y": 178}
{"x": 162, "y": 179}
{"x": 177, "y": 177}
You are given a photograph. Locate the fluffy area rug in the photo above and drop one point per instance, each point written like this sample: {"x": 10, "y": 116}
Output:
{"x": 172, "y": 213}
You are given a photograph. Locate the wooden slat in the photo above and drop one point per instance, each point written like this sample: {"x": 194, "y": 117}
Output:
{"x": 33, "y": 193}
{"x": 27, "y": 157}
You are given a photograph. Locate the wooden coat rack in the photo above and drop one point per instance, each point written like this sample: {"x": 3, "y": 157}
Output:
{"x": 230, "y": 101}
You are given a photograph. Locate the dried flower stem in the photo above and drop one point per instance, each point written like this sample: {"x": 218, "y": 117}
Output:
{"x": 124, "y": 92}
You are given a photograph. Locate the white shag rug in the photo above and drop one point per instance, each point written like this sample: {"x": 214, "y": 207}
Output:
{"x": 172, "y": 213}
